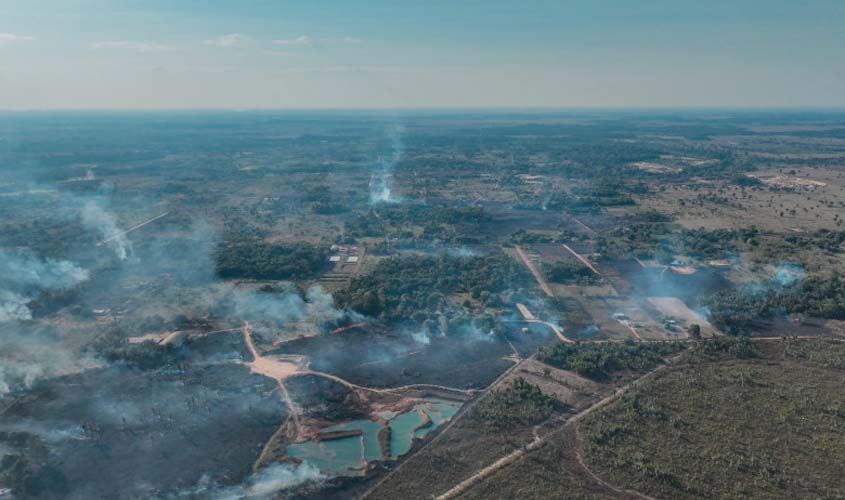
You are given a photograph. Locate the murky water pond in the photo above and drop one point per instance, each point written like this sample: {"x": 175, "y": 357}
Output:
{"x": 336, "y": 456}
{"x": 372, "y": 448}
{"x": 345, "y": 456}
{"x": 402, "y": 431}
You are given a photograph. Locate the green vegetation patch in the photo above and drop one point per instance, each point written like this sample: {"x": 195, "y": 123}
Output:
{"x": 257, "y": 259}
{"x": 571, "y": 272}
{"x": 734, "y": 311}
{"x": 821, "y": 352}
{"x": 722, "y": 348}
{"x": 751, "y": 428}
{"x": 520, "y": 404}
{"x": 600, "y": 360}
{"x": 416, "y": 286}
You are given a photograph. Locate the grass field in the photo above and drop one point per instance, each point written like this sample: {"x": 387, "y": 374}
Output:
{"x": 766, "y": 427}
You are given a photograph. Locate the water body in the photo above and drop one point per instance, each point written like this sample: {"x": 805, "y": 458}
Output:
{"x": 343, "y": 456}
{"x": 440, "y": 411}
{"x": 336, "y": 456}
{"x": 402, "y": 432}
{"x": 372, "y": 449}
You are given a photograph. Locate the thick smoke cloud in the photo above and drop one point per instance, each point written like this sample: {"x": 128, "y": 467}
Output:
{"x": 25, "y": 275}
{"x": 31, "y": 352}
{"x": 383, "y": 173}
{"x": 270, "y": 312}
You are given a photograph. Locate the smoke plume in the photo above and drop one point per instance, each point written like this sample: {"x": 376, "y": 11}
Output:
{"x": 264, "y": 484}
{"x": 383, "y": 173}
{"x": 104, "y": 223}
{"x": 25, "y": 275}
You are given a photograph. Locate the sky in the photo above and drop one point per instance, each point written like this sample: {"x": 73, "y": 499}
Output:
{"x": 243, "y": 54}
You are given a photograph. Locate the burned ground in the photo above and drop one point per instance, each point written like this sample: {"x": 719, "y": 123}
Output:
{"x": 121, "y": 433}
{"x": 389, "y": 359}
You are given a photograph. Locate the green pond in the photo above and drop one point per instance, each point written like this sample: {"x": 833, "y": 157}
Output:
{"x": 402, "y": 432}
{"x": 336, "y": 456}
{"x": 438, "y": 413}
{"x": 343, "y": 456}
{"x": 372, "y": 449}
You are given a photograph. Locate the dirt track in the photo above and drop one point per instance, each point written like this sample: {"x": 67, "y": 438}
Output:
{"x": 579, "y": 457}
{"x": 515, "y": 455}
{"x": 136, "y": 226}
{"x": 537, "y": 276}
{"x": 582, "y": 259}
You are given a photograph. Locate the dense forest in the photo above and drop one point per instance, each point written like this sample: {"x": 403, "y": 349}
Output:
{"x": 260, "y": 260}
{"x": 416, "y": 286}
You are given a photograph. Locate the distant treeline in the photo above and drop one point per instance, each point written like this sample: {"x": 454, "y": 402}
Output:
{"x": 419, "y": 222}
{"x": 257, "y": 259}
{"x": 664, "y": 242}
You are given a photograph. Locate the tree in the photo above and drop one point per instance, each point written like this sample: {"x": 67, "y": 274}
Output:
{"x": 694, "y": 331}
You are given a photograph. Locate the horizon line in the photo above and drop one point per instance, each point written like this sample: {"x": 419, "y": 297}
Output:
{"x": 247, "y": 109}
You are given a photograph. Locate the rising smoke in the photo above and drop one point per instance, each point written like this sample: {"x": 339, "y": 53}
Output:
{"x": 271, "y": 312}
{"x": 382, "y": 175}
{"x": 31, "y": 352}
{"x": 266, "y": 483}
{"x": 94, "y": 217}
{"x": 25, "y": 275}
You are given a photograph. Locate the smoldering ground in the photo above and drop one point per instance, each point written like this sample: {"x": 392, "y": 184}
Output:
{"x": 33, "y": 351}
{"x": 158, "y": 429}
{"x": 137, "y": 433}
{"x": 25, "y": 275}
{"x": 374, "y": 356}
{"x": 264, "y": 484}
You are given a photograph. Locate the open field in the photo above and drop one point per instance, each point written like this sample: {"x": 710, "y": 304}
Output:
{"x": 667, "y": 437}
{"x": 768, "y": 427}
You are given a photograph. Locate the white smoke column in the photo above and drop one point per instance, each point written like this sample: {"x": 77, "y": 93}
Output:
{"x": 277, "y": 308}
{"x": 265, "y": 484}
{"x": 421, "y": 337}
{"x": 320, "y": 306}
{"x": 382, "y": 175}
{"x": 104, "y": 223}
{"x": 24, "y": 275}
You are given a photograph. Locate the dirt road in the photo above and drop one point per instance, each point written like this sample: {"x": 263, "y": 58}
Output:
{"x": 579, "y": 456}
{"x": 515, "y": 455}
{"x": 582, "y": 259}
{"x": 537, "y": 276}
{"x": 136, "y": 226}
{"x": 448, "y": 426}
{"x": 530, "y": 318}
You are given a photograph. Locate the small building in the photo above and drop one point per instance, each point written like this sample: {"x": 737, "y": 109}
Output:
{"x": 334, "y": 258}
{"x": 352, "y": 259}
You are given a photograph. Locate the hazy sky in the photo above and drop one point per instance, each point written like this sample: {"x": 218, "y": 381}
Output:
{"x": 424, "y": 53}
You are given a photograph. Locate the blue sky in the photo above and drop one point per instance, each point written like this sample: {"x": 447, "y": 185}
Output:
{"x": 153, "y": 54}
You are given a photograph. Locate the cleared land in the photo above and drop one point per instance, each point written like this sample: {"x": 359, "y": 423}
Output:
{"x": 766, "y": 421}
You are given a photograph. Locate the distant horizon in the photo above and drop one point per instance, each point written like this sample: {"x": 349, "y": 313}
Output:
{"x": 382, "y": 54}
{"x": 445, "y": 109}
